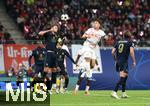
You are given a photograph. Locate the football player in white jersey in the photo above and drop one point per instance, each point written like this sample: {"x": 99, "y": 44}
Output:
{"x": 93, "y": 36}
{"x": 84, "y": 71}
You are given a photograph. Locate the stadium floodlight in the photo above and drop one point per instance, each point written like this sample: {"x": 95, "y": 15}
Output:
{"x": 120, "y": 3}
{"x": 94, "y": 11}
{"x": 141, "y": 33}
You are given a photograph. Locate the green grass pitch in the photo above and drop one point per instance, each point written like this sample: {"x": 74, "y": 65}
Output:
{"x": 101, "y": 98}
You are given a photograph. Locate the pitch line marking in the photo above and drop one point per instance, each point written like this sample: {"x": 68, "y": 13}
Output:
{"x": 145, "y": 98}
{"x": 100, "y": 104}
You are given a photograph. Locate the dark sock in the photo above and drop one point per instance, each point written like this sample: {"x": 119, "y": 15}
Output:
{"x": 126, "y": 78}
{"x": 49, "y": 84}
{"x": 118, "y": 84}
{"x": 124, "y": 84}
{"x": 33, "y": 83}
{"x": 79, "y": 81}
{"x": 54, "y": 75}
{"x": 88, "y": 83}
{"x": 66, "y": 82}
{"x": 18, "y": 83}
{"x": 44, "y": 74}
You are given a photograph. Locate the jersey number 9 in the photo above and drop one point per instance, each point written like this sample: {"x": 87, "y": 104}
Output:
{"x": 120, "y": 48}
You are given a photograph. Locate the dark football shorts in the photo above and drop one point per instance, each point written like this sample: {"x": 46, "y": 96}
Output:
{"x": 62, "y": 70}
{"x": 50, "y": 60}
{"x": 39, "y": 68}
{"x": 122, "y": 67}
{"x": 54, "y": 76}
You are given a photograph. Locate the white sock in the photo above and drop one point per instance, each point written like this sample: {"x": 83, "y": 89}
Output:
{"x": 62, "y": 81}
{"x": 54, "y": 86}
{"x": 87, "y": 88}
{"x": 123, "y": 93}
{"x": 49, "y": 90}
{"x": 77, "y": 87}
{"x": 115, "y": 93}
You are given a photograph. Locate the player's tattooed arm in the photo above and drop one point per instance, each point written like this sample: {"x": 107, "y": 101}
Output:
{"x": 113, "y": 52}
{"x": 77, "y": 59}
{"x": 133, "y": 56}
{"x": 69, "y": 56}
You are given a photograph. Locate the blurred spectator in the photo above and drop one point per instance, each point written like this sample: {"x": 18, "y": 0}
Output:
{"x": 117, "y": 16}
{"x": 110, "y": 40}
{"x": 10, "y": 72}
{"x": 5, "y": 37}
{"x": 8, "y": 39}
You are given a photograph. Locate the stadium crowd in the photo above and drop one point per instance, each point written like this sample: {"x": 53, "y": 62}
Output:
{"x": 75, "y": 17}
{"x": 5, "y": 36}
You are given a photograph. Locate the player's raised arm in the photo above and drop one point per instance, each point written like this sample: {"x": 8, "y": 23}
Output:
{"x": 133, "y": 56}
{"x": 53, "y": 30}
{"x": 41, "y": 33}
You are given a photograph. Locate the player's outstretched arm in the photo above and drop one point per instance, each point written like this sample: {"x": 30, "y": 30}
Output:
{"x": 133, "y": 56}
{"x": 77, "y": 59}
{"x": 69, "y": 56}
{"x": 85, "y": 35}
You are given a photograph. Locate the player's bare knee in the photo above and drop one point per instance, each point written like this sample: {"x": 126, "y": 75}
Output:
{"x": 47, "y": 78}
{"x": 46, "y": 69}
{"x": 122, "y": 74}
{"x": 92, "y": 63}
